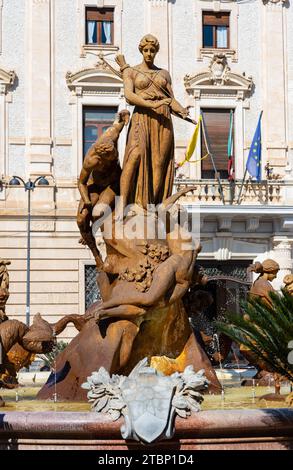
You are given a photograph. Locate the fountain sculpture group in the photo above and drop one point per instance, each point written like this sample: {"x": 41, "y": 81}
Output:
{"x": 143, "y": 277}
{"x": 141, "y": 323}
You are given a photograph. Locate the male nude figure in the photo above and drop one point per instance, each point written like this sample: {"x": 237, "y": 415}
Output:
{"x": 99, "y": 181}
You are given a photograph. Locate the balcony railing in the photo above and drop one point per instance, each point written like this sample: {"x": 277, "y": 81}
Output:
{"x": 267, "y": 192}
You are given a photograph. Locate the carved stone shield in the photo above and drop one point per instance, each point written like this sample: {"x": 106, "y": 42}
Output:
{"x": 148, "y": 397}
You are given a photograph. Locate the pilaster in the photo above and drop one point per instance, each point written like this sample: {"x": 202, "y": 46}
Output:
{"x": 274, "y": 81}
{"x": 157, "y": 22}
{"x": 38, "y": 118}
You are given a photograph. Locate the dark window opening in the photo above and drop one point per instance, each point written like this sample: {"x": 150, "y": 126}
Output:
{"x": 99, "y": 26}
{"x": 216, "y": 30}
{"x": 96, "y": 120}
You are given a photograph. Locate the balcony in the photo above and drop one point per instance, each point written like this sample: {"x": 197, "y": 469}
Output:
{"x": 264, "y": 193}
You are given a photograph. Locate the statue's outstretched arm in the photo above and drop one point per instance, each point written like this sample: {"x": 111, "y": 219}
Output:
{"x": 176, "y": 107}
{"x": 122, "y": 311}
{"x": 113, "y": 132}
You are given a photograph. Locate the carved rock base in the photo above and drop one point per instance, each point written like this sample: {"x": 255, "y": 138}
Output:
{"x": 119, "y": 345}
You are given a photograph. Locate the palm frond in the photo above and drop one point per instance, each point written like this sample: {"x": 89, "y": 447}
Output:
{"x": 268, "y": 331}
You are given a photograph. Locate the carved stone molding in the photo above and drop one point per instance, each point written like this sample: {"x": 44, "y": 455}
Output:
{"x": 287, "y": 223}
{"x": 275, "y": 2}
{"x": 252, "y": 224}
{"x": 7, "y": 79}
{"x": 223, "y": 248}
{"x": 97, "y": 80}
{"x": 225, "y": 224}
{"x": 158, "y": 3}
{"x": 41, "y": 2}
{"x": 219, "y": 79}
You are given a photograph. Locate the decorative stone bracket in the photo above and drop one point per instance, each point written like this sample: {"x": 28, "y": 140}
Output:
{"x": 6, "y": 80}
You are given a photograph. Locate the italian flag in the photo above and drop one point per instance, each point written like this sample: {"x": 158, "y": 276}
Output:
{"x": 231, "y": 168}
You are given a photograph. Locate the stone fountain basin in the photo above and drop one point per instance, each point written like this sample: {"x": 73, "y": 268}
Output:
{"x": 40, "y": 378}
{"x": 228, "y": 374}
{"x": 239, "y": 420}
{"x": 207, "y": 430}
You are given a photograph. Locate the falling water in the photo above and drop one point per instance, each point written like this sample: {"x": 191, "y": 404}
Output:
{"x": 269, "y": 385}
{"x": 55, "y": 371}
{"x": 253, "y": 390}
{"x": 217, "y": 343}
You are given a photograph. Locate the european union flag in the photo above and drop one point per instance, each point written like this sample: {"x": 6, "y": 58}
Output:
{"x": 253, "y": 165}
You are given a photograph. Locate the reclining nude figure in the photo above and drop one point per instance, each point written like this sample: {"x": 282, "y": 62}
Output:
{"x": 99, "y": 181}
{"x": 170, "y": 280}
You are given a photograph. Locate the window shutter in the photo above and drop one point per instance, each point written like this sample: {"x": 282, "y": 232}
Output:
{"x": 217, "y": 122}
{"x": 215, "y": 19}
{"x": 99, "y": 14}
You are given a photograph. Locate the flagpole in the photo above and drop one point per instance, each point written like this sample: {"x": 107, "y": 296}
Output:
{"x": 242, "y": 184}
{"x": 230, "y": 150}
{"x": 212, "y": 158}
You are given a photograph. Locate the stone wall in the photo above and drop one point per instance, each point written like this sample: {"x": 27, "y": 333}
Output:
{"x": 42, "y": 128}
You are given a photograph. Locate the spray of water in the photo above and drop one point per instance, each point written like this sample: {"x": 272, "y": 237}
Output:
{"x": 217, "y": 343}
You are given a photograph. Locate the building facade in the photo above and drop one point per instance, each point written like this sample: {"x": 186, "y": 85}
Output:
{"x": 229, "y": 60}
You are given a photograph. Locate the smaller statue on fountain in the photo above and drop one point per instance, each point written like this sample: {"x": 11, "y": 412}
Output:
{"x": 4, "y": 288}
{"x": 267, "y": 271}
{"x": 261, "y": 288}
{"x": 18, "y": 342}
{"x": 99, "y": 181}
{"x": 288, "y": 281}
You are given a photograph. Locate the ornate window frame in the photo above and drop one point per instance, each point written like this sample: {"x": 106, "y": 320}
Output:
{"x": 219, "y": 87}
{"x": 217, "y": 6}
{"x": 7, "y": 79}
{"x": 86, "y": 49}
{"x": 92, "y": 87}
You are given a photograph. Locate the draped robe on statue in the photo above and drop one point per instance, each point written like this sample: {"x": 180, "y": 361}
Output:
{"x": 150, "y": 143}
